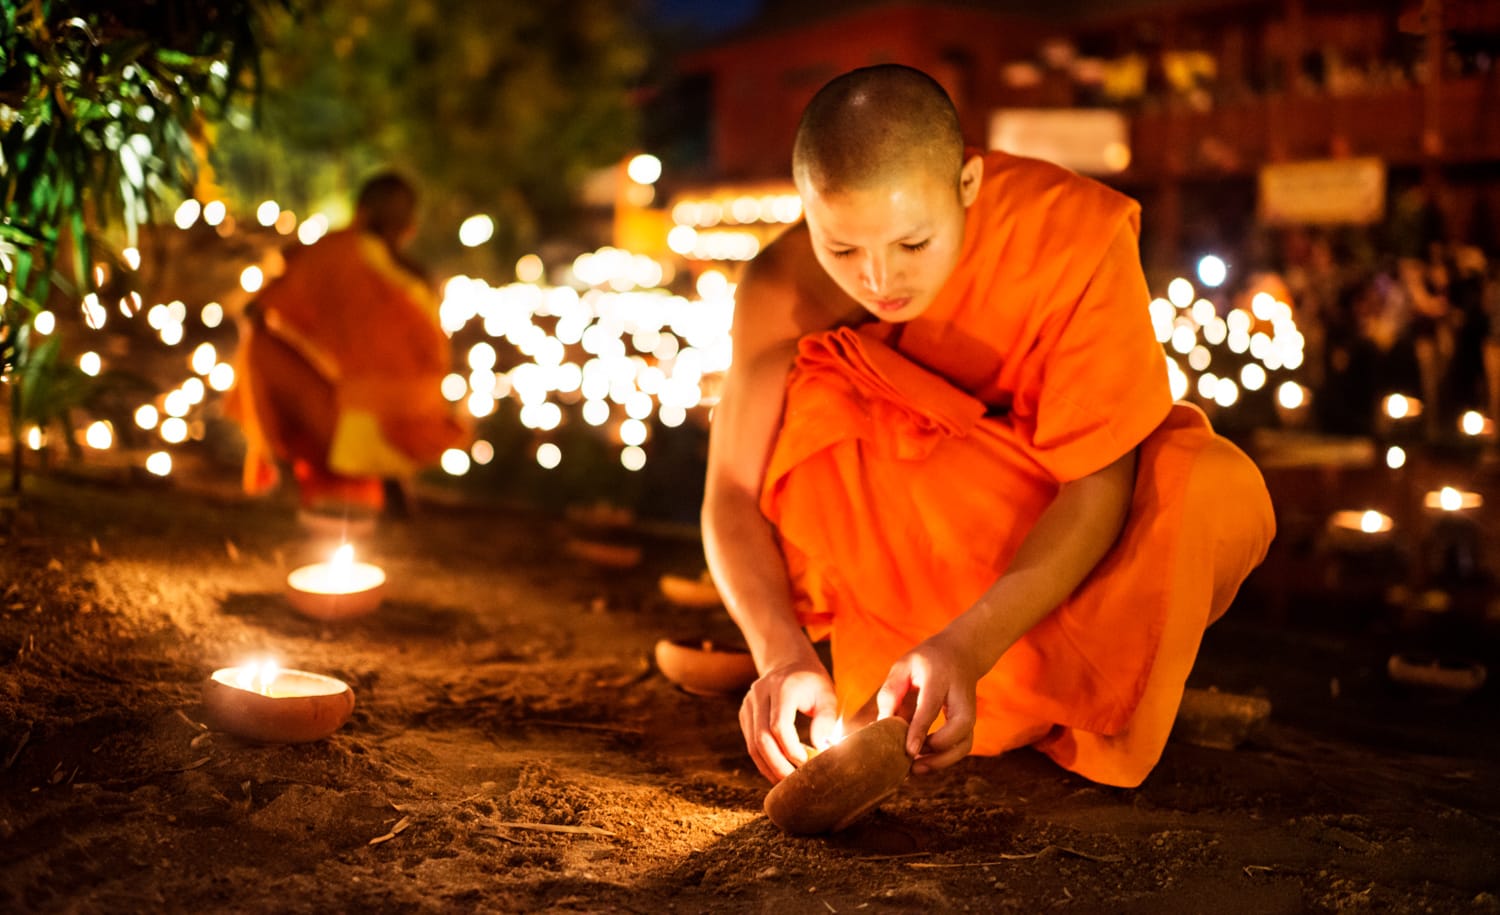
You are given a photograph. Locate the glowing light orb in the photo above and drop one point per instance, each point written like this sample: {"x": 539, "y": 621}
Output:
{"x": 644, "y": 169}
{"x": 146, "y": 416}
{"x": 204, "y": 358}
{"x": 1373, "y": 522}
{"x": 1290, "y": 395}
{"x": 1472, "y": 423}
{"x": 633, "y": 432}
{"x": 132, "y": 258}
{"x": 548, "y": 455}
{"x": 187, "y": 213}
{"x": 44, "y": 323}
{"x": 252, "y": 278}
{"x": 214, "y": 212}
{"x": 212, "y": 315}
{"x": 633, "y": 458}
{"x": 90, "y": 363}
{"x": 596, "y": 412}
{"x": 1253, "y": 377}
{"x": 312, "y": 228}
{"x": 99, "y": 435}
{"x": 476, "y": 230}
{"x": 266, "y": 213}
{"x": 482, "y": 452}
{"x": 221, "y": 377}
{"x": 1212, "y": 270}
{"x": 454, "y": 387}
{"x": 1395, "y": 457}
{"x": 480, "y": 405}
{"x": 529, "y": 268}
{"x": 455, "y": 461}
{"x": 1180, "y": 292}
{"x": 174, "y": 430}
{"x": 159, "y": 463}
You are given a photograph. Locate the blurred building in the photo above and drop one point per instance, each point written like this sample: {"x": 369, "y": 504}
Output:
{"x": 1216, "y": 114}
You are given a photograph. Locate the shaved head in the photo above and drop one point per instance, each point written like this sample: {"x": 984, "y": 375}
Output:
{"x": 876, "y": 125}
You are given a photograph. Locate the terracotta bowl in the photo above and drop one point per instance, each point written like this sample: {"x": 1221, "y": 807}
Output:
{"x": 842, "y": 783}
{"x": 690, "y": 592}
{"x": 310, "y": 600}
{"x": 1459, "y": 677}
{"x": 302, "y": 706}
{"x": 705, "y": 669}
{"x": 608, "y": 555}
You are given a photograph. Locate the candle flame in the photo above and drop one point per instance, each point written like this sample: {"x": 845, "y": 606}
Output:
{"x": 262, "y": 675}
{"x": 1450, "y": 499}
{"x": 343, "y": 558}
{"x": 837, "y": 734}
{"x": 1371, "y": 521}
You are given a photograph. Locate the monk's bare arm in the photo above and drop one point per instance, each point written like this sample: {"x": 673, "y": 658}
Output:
{"x": 782, "y": 296}
{"x": 741, "y": 546}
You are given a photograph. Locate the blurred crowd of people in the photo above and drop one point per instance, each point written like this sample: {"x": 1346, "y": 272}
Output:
{"x": 1422, "y": 320}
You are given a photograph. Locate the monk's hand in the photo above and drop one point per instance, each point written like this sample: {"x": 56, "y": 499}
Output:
{"x": 943, "y": 677}
{"x": 768, "y": 716}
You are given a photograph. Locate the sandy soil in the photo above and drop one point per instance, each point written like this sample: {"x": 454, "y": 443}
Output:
{"x": 502, "y": 683}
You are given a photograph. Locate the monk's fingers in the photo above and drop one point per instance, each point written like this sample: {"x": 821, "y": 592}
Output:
{"x": 825, "y": 718}
{"x": 783, "y": 724}
{"x": 934, "y": 761}
{"x": 893, "y": 692}
{"x": 931, "y": 698}
{"x": 750, "y": 727}
{"x": 958, "y": 726}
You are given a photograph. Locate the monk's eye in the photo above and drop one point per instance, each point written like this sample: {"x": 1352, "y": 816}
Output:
{"x": 918, "y": 246}
{"x": 844, "y": 253}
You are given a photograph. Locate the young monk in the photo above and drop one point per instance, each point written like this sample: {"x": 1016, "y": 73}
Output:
{"x": 947, "y": 443}
{"x": 341, "y": 362}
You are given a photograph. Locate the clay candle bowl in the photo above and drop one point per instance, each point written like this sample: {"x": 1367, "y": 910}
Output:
{"x": 338, "y": 589}
{"x": 1359, "y": 530}
{"x": 697, "y": 592}
{"x": 605, "y": 554}
{"x": 842, "y": 783}
{"x": 703, "y": 668}
{"x": 265, "y": 703}
{"x": 1451, "y": 499}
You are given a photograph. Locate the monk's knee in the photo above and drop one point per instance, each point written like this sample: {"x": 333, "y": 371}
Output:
{"x": 1228, "y": 501}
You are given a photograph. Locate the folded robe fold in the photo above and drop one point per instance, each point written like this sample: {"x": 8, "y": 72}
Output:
{"x": 898, "y": 501}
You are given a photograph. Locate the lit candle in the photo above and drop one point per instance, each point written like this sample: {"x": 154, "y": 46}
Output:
{"x": 1359, "y": 529}
{"x": 338, "y": 589}
{"x": 266, "y": 702}
{"x": 1451, "y": 499}
{"x": 1399, "y": 406}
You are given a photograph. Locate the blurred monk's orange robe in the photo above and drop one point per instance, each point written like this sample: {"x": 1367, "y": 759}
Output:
{"x": 341, "y": 374}
{"x": 913, "y": 460}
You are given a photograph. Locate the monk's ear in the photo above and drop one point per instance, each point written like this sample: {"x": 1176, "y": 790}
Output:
{"x": 969, "y": 179}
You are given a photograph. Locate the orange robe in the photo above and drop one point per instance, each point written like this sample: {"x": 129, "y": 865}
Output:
{"x": 914, "y": 459}
{"x": 343, "y": 375}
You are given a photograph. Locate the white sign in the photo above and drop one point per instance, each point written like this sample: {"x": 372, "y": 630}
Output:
{"x": 1093, "y": 141}
{"x": 1323, "y": 191}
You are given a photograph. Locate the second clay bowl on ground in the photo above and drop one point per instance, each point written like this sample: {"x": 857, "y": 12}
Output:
{"x": 704, "y": 668}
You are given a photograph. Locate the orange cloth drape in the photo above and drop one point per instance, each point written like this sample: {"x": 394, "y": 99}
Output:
{"x": 345, "y": 330}
{"x": 913, "y": 460}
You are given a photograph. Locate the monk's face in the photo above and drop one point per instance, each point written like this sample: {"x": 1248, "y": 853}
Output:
{"x": 892, "y": 245}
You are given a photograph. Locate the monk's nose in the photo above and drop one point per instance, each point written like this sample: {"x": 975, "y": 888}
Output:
{"x": 874, "y": 275}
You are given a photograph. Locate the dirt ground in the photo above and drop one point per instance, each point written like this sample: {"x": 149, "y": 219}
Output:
{"x": 503, "y": 683}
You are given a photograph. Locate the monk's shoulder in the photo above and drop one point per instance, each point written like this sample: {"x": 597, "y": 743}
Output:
{"x": 785, "y": 293}
{"x": 1049, "y": 204}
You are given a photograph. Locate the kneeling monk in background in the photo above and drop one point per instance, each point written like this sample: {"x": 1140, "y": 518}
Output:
{"x": 341, "y": 363}
{"x": 984, "y": 495}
